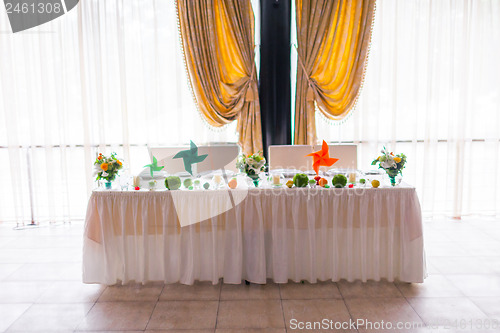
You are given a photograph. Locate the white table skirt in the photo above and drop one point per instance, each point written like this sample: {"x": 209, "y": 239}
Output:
{"x": 292, "y": 234}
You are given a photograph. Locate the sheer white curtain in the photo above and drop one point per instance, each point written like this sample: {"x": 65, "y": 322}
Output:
{"x": 432, "y": 91}
{"x": 108, "y": 77}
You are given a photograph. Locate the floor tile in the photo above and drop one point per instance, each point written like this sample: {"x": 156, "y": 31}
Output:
{"x": 177, "y": 331}
{"x": 464, "y": 265}
{"x": 8, "y": 269}
{"x": 376, "y": 309}
{"x": 441, "y": 311}
{"x": 433, "y": 286}
{"x": 47, "y": 272}
{"x": 308, "y": 290}
{"x": 317, "y": 314}
{"x": 22, "y": 291}
{"x": 71, "y": 292}
{"x": 252, "y": 291}
{"x": 201, "y": 291}
{"x": 489, "y": 305}
{"x": 10, "y": 313}
{"x": 132, "y": 292}
{"x": 250, "y": 314}
{"x": 477, "y": 285}
{"x": 250, "y": 330}
{"x": 449, "y": 249}
{"x": 118, "y": 316}
{"x": 51, "y": 317}
{"x": 360, "y": 289}
{"x": 184, "y": 315}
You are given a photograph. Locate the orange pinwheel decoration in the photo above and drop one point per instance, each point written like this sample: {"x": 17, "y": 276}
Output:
{"x": 322, "y": 158}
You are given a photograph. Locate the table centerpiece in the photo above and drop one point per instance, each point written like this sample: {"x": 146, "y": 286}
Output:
{"x": 251, "y": 165}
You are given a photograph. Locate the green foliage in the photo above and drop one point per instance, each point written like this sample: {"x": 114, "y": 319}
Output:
{"x": 339, "y": 181}
{"x": 173, "y": 183}
{"x": 300, "y": 180}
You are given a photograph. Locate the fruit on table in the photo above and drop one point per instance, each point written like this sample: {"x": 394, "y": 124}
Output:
{"x": 206, "y": 186}
{"x": 137, "y": 188}
{"x": 362, "y": 181}
{"x": 300, "y": 180}
{"x": 375, "y": 183}
{"x": 322, "y": 182}
{"x": 187, "y": 182}
{"x": 289, "y": 183}
{"x": 190, "y": 187}
{"x": 317, "y": 178}
{"x": 232, "y": 183}
{"x": 173, "y": 182}
{"x": 351, "y": 185}
{"x": 339, "y": 181}
{"x": 312, "y": 182}
{"x": 327, "y": 186}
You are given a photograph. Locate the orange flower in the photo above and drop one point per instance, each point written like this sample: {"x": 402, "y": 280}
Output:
{"x": 99, "y": 157}
{"x": 397, "y": 159}
{"x": 104, "y": 166}
{"x": 118, "y": 161}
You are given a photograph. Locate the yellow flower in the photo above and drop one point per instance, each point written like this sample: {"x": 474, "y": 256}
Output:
{"x": 378, "y": 158}
{"x": 104, "y": 166}
{"x": 397, "y": 159}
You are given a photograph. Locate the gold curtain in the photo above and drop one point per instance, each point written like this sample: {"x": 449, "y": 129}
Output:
{"x": 333, "y": 38}
{"x": 218, "y": 42}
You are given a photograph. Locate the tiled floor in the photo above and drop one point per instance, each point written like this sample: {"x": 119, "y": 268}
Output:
{"x": 41, "y": 290}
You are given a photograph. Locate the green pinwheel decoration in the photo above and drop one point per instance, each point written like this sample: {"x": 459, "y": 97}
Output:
{"x": 190, "y": 157}
{"x": 154, "y": 166}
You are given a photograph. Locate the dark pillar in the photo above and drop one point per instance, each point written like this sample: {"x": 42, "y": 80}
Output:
{"x": 274, "y": 79}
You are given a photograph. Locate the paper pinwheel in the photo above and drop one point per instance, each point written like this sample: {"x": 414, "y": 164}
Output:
{"x": 153, "y": 166}
{"x": 322, "y": 158}
{"x": 190, "y": 157}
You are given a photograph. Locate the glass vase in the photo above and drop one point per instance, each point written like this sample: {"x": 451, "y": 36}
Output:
{"x": 255, "y": 179}
{"x": 108, "y": 185}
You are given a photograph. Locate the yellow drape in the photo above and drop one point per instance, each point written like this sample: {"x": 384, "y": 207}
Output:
{"x": 218, "y": 42}
{"x": 333, "y": 38}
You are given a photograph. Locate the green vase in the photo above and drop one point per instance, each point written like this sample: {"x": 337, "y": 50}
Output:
{"x": 107, "y": 185}
{"x": 393, "y": 180}
{"x": 255, "y": 179}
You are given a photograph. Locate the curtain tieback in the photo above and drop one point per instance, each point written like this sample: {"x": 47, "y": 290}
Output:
{"x": 249, "y": 95}
{"x": 310, "y": 83}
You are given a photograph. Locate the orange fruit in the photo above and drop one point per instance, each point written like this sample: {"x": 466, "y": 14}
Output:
{"x": 322, "y": 182}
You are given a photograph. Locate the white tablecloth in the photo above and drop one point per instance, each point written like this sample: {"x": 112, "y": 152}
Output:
{"x": 292, "y": 234}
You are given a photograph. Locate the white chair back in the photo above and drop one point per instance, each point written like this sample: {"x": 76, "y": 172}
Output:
{"x": 219, "y": 156}
{"x": 294, "y": 157}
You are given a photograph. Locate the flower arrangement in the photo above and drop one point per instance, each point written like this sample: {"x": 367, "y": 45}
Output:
{"x": 107, "y": 167}
{"x": 251, "y": 164}
{"x": 392, "y": 164}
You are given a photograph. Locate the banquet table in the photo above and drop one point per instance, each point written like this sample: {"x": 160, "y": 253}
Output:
{"x": 254, "y": 234}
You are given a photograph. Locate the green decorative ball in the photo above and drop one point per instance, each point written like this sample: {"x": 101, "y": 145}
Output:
{"x": 300, "y": 180}
{"x": 173, "y": 183}
{"x": 187, "y": 182}
{"x": 206, "y": 186}
{"x": 339, "y": 181}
